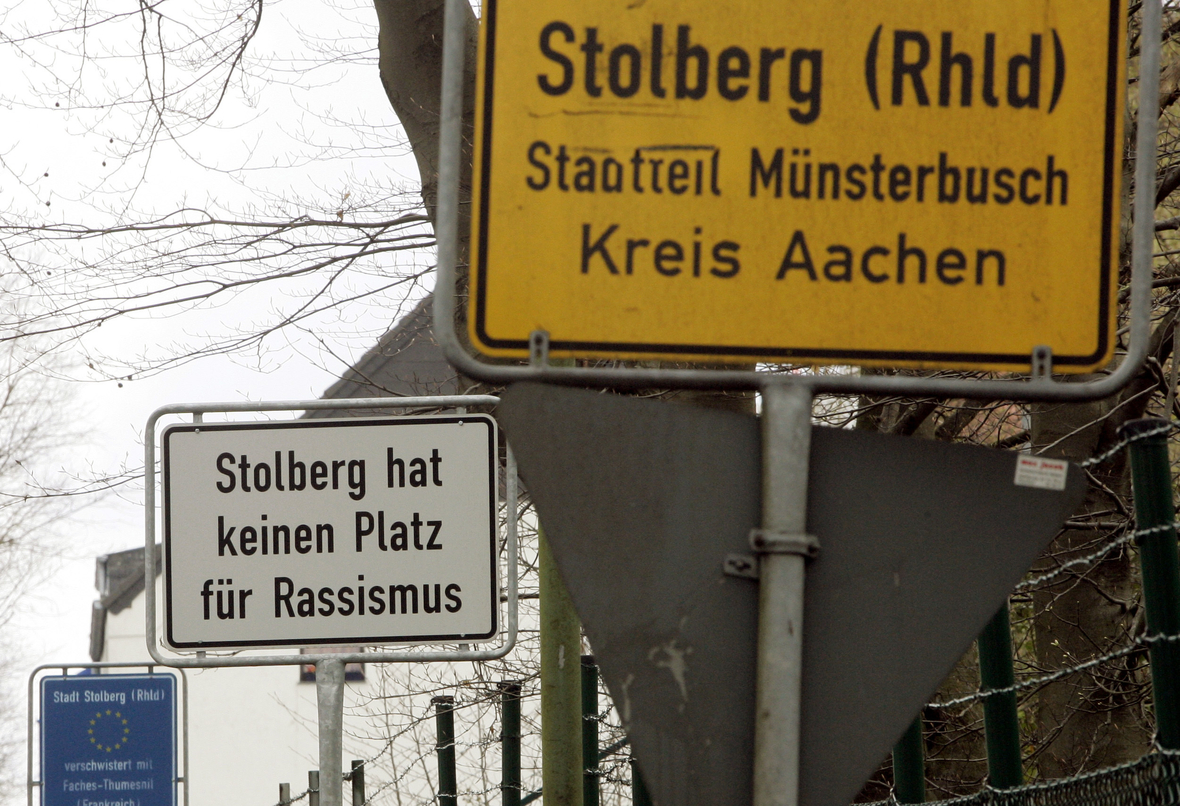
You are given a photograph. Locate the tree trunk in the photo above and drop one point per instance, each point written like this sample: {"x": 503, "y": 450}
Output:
{"x": 1086, "y": 721}
{"x": 1090, "y": 719}
{"x": 410, "y": 52}
{"x": 410, "y": 55}
{"x": 409, "y": 45}
{"x": 1097, "y": 718}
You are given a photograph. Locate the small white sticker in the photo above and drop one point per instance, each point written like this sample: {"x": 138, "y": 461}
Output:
{"x": 1045, "y": 474}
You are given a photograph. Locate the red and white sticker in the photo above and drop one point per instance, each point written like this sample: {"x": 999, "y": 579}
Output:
{"x": 1044, "y": 474}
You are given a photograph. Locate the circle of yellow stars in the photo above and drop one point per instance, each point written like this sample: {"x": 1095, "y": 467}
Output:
{"x": 119, "y": 721}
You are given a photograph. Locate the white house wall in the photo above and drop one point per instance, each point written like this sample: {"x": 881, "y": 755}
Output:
{"x": 249, "y": 729}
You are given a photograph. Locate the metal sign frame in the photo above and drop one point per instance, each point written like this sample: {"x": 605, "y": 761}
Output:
{"x": 1040, "y": 385}
{"x": 202, "y": 659}
{"x": 180, "y": 441}
{"x": 182, "y": 774}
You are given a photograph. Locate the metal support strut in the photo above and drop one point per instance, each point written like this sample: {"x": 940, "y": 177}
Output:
{"x": 783, "y": 547}
{"x": 329, "y": 689}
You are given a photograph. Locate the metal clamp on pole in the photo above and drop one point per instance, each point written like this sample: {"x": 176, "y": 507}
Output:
{"x": 1042, "y": 364}
{"x": 766, "y": 541}
{"x": 539, "y": 348}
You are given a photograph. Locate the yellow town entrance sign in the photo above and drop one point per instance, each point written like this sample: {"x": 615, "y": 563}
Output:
{"x": 902, "y": 183}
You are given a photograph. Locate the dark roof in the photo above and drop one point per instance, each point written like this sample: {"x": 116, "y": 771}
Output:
{"x": 406, "y": 361}
{"x": 119, "y": 579}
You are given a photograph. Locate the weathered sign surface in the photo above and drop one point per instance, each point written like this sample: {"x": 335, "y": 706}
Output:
{"x": 889, "y": 182}
{"x": 920, "y": 543}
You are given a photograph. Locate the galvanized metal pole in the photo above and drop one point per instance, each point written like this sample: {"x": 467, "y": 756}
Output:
{"x": 561, "y": 689}
{"x": 1001, "y": 727}
{"x": 783, "y": 546}
{"x": 444, "y": 716}
{"x": 510, "y": 785}
{"x": 329, "y": 689}
{"x": 589, "y": 731}
{"x": 284, "y": 794}
{"x": 909, "y": 765}
{"x": 1151, "y": 479}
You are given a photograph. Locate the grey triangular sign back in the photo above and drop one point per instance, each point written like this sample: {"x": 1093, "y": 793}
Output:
{"x": 920, "y": 544}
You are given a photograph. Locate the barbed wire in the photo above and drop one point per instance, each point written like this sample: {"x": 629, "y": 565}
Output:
{"x": 1037, "y": 681}
{"x": 305, "y": 793}
{"x": 483, "y": 701}
{"x": 1162, "y": 428}
{"x": 408, "y": 766}
{"x": 1137, "y": 645}
{"x": 600, "y": 718}
{"x": 1146, "y": 770}
{"x": 1095, "y": 556}
{"x": 407, "y": 769}
{"x": 1090, "y": 559}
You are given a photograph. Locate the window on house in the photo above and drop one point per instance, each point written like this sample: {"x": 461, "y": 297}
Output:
{"x": 353, "y": 672}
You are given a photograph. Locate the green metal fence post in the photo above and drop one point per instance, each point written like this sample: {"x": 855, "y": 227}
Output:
{"x": 589, "y": 731}
{"x": 909, "y": 765}
{"x": 358, "y": 782}
{"x": 639, "y": 794}
{"x": 1151, "y": 479}
{"x": 510, "y": 784}
{"x": 444, "y": 717}
{"x": 1001, "y": 727}
{"x": 561, "y": 689}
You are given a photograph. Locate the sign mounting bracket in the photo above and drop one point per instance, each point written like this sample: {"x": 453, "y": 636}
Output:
{"x": 1042, "y": 365}
{"x": 538, "y": 349}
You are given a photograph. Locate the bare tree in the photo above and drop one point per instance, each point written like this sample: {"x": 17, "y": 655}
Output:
{"x": 35, "y": 433}
{"x": 1072, "y": 609}
{"x": 124, "y": 256}
{"x": 197, "y": 180}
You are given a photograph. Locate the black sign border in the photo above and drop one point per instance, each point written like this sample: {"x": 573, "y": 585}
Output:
{"x": 166, "y": 470}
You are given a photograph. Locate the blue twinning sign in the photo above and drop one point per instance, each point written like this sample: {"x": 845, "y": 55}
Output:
{"x": 108, "y": 740}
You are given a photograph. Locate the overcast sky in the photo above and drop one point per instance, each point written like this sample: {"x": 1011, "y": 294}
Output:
{"x": 303, "y": 131}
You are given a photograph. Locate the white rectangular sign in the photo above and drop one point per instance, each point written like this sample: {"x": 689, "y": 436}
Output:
{"x": 355, "y": 531}
{"x": 1037, "y": 471}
